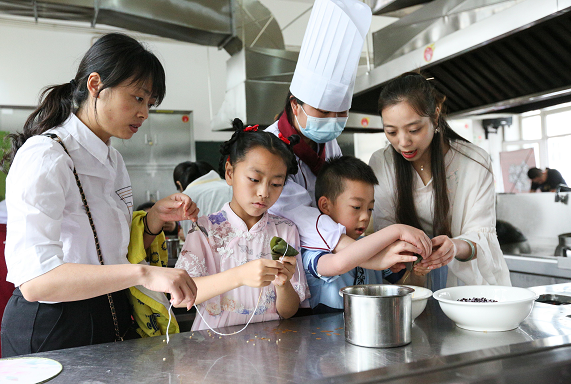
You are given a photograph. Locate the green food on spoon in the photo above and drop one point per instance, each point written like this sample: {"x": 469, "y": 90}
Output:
{"x": 281, "y": 248}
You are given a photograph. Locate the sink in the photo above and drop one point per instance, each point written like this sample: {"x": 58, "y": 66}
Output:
{"x": 554, "y": 299}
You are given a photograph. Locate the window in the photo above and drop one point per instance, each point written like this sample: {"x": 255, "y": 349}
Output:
{"x": 548, "y": 132}
{"x": 558, "y": 124}
{"x": 531, "y": 128}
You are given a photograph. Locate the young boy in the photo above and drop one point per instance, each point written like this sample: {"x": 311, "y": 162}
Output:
{"x": 344, "y": 190}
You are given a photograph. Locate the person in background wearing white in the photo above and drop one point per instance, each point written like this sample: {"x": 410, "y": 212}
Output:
{"x": 61, "y": 299}
{"x": 199, "y": 181}
{"x": 433, "y": 179}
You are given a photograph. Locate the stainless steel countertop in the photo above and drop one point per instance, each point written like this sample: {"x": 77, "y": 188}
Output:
{"x": 309, "y": 348}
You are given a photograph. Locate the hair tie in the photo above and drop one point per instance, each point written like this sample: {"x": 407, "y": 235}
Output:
{"x": 73, "y": 83}
{"x": 228, "y": 159}
{"x": 252, "y": 128}
{"x": 283, "y": 138}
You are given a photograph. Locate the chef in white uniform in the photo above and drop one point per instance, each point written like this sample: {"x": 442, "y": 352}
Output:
{"x": 317, "y": 108}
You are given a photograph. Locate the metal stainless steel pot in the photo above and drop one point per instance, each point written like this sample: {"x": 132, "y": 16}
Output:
{"x": 377, "y": 315}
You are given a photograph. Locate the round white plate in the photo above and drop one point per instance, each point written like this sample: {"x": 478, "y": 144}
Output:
{"x": 28, "y": 370}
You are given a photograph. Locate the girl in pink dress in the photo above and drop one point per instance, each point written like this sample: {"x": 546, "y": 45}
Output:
{"x": 228, "y": 252}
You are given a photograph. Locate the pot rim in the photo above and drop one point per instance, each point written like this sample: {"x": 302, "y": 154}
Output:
{"x": 402, "y": 287}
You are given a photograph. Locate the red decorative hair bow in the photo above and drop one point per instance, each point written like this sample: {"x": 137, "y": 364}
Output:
{"x": 283, "y": 138}
{"x": 253, "y": 128}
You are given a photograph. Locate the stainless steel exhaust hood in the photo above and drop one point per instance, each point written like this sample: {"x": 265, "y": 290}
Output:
{"x": 205, "y": 22}
{"x": 485, "y": 55}
{"x": 259, "y": 71}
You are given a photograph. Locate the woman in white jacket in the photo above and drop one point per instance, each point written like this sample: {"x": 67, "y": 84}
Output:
{"x": 434, "y": 180}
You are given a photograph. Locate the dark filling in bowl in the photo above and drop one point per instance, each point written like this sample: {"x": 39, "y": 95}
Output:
{"x": 477, "y": 300}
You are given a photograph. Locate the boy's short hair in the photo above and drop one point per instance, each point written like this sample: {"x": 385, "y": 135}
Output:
{"x": 331, "y": 179}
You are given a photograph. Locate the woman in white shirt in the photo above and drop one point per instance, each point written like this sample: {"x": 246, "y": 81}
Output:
{"x": 434, "y": 180}
{"x": 53, "y": 259}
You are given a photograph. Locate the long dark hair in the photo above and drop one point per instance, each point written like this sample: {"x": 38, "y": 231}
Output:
{"x": 242, "y": 141}
{"x": 116, "y": 58}
{"x": 421, "y": 95}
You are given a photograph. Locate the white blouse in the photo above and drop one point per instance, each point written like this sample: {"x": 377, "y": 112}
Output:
{"x": 472, "y": 208}
{"x": 47, "y": 224}
{"x": 297, "y": 203}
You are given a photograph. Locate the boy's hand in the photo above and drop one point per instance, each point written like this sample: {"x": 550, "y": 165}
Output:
{"x": 285, "y": 275}
{"x": 417, "y": 238}
{"x": 397, "y": 253}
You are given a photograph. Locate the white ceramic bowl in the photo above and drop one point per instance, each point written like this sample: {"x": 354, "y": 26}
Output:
{"x": 419, "y": 298}
{"x": 513, "y": 306}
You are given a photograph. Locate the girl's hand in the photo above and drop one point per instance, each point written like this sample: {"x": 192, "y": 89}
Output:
{"x": 285, "y": 275}
{"x": 417, "y": 238}
{"x": 259, "y": 273}
{"x": 176, "y": 282}
{"x": 395, "y": 255}
{"x": 444, "y": 251}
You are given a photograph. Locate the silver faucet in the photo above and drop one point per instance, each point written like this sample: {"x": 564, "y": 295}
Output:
{"x": 562, "y": 198}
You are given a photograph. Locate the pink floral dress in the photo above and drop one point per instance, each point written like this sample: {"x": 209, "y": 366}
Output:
{"x": 221, "y": 241}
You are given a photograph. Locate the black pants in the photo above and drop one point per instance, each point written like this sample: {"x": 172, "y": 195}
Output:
{"x": 30, "y": 327}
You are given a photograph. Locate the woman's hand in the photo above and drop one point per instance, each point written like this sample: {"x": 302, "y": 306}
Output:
{"x": 444, "y": 251}
{"x": 175, "y": 207}
{"x": 259, "y": 273}
{"x": 176, "y": 282}
{"x": 285, "y": 275}
{"x": 417, "y": 238}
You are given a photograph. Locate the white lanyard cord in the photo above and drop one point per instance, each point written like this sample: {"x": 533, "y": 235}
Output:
{"x": 233, "y": 333}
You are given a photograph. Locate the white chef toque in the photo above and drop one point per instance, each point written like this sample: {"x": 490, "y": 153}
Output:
{"x": 325, "y": 73}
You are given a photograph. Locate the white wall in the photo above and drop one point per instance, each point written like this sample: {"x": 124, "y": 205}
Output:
{"x": 34, "y": 56}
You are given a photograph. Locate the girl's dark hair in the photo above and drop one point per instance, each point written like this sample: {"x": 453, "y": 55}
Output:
{"x": 187, "y": 172}
{"x": 288, "y": 111}
{"x": 116, "y": 58}
{"x": 421, "y": 95}
{"x": 241, "y": 142}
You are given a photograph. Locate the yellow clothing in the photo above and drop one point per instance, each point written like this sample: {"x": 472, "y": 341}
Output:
{"x": 150, "y": 308}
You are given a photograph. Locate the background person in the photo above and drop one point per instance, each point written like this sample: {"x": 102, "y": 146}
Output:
{"x": 199, "y": 181}
{"x": 546, "y": 181}
{"x": 434, "y": 180}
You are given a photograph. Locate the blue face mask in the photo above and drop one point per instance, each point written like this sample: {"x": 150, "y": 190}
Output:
{"x": 324, "y": 129}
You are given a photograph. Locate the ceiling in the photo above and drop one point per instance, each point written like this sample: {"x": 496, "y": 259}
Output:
{"x": 527, "y": 69}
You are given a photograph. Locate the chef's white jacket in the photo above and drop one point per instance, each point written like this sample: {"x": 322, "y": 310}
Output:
{"x": 297, "y": 203}
{"x": 47, "y": 223}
